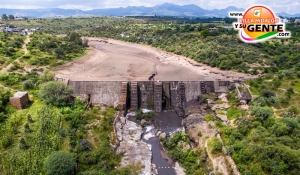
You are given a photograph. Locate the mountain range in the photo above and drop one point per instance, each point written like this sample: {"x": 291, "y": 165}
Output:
{"x": 166, "y": 9}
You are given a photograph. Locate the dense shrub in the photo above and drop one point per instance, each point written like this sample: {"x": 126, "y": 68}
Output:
{"x": 261, "y": 113}
{"x": 55, "y": 93}
{"x": 147, "y": 116}
{"x": 28, "y": 84}
{"x": 59, "y": 163}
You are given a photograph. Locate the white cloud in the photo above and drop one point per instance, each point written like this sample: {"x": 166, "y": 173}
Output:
{"x": 289, "y": 6}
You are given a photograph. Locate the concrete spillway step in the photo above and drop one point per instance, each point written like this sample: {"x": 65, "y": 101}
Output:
{"x": 158, "y": 96}
{"x": 203, "y": 89}
{"x": 133, "y": 96}
{"x": 124, "y": 92}
{"x": 216, "y": 86}
{"x": 181, "y": 92}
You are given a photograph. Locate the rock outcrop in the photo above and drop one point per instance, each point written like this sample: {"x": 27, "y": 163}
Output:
{"x": 131, "y": 147}
{"x": 119, "y": 105}
{"x": 197, "y": 129}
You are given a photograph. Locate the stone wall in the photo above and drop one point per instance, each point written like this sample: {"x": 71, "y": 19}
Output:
{"x": 146, "y": 94}
{"x": 108, "y": 92}
{"x": 100, "y": 92}
{"x": 192, "y": 90}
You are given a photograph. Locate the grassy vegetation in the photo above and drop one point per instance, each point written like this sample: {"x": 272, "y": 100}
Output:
{"x": 10, "y": 48}
{"x": 65, "y": 25}
{"x": 233, "y": 113}
{"x": 46, "y": 49}
{"x": 216, "y": 146}
{"x": 43, "y": 50}
{"x": 187, "y": 158}
{"x": 267, "y": 140}
{"x": 146, "y": 116}
{"x": 28, "y": 136}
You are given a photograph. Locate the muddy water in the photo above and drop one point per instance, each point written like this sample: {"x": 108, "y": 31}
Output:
{"x": 165, "y": 122}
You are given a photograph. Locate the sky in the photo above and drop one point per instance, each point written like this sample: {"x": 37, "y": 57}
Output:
{"x": 288, "y": 6}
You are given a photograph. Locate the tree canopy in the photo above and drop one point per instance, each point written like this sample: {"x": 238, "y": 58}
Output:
{"x": 55, "y": 93}
{"x": 4, "y": 17}
{"x": 59, "y": 163}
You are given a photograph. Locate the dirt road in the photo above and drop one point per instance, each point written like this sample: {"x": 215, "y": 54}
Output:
{"x": 24, "y": 48}
{"x": 109, "y": 59}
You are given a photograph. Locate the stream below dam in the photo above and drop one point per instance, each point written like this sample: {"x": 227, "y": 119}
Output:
{"x": 165, "y": 122}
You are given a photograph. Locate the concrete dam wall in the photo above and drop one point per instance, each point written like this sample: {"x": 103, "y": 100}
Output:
{"x": 145, "y": 94}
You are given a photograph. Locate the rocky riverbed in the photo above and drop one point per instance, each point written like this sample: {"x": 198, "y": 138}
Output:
{"x": 131, "y": 146}
{"x": 142, "y": 145}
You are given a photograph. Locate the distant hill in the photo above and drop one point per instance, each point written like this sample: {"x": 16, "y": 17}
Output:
{"x": 283, "y": 14}
{"x": 166, "y": 9}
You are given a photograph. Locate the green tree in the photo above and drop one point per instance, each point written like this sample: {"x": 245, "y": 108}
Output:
{"x": 216, "y": 146}
{"x": 261, "y": 113}
{"x": 4, "y": 17}
{"x": 59, "y": 52}
{"x": 47, "y": 76}
{"x": 59, "y": 163}
{"x": 205, "y": 33}
{"x": 289, "y": 92}
{"x": 55, "y": 93}
{"x": 11, "y": 17}
{"x": 4, "y": 98}
{"x": 28, "y": 84}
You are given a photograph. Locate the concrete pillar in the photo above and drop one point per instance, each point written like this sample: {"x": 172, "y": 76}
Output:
{"x": 133, "y": 96}
{"x": 123, "y": 98}
{"x": 158, "y": 96}
{"x": 181, "y": 93}
{"x": 146, "y": 94}
{"x": 173, "y": 94}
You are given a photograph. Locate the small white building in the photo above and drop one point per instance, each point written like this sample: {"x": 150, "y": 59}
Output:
{"x": 227, "y": 27}
{"x": 284, "y": 20}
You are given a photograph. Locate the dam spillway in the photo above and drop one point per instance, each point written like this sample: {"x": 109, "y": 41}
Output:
{"x": 154, "y": 95}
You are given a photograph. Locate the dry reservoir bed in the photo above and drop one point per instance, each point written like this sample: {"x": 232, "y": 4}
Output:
{"x": 109, "y": 60}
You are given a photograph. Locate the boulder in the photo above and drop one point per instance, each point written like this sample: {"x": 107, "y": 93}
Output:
{"x": 244, "y": 107}
{"x": 162, "y": 135}
{"x": 118, "y": 105}
{"x": 180, "y": 111}
{"x": 222, "y": 117}
{"x": 158, "y": 133}
{"x": 144, "y": 122}
{"x": 223, "y": 97}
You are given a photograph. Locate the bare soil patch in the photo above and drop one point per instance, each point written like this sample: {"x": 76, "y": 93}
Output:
{"x": 110, "y": 60}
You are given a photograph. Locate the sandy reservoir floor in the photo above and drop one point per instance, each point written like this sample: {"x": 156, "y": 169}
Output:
{"x": 109, "y": 60}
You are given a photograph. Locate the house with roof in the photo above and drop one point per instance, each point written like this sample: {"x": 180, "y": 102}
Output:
{"x": 19, "y": 100}
{"x": 212, "y": 29}
{"x": 297, "y": 21}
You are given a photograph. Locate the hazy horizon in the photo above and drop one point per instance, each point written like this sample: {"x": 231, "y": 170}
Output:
{"x": 277, "y": 6}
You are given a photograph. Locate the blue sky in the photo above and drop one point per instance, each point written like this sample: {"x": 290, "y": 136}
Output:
{"x": 288, "y": 6}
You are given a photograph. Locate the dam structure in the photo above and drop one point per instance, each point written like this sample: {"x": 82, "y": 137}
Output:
{"x": 153, "y": 95}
